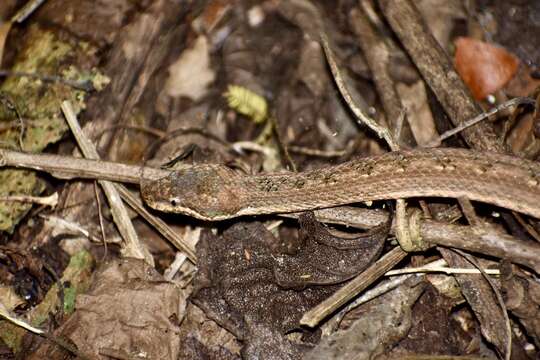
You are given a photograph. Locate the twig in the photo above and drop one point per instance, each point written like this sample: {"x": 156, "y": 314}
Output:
{"x": 316, "y": 152}
{"x": 240, "y": 146}
{"x": 443, "y": 269}
{"x": 290, "y": 163}
{"x": 6, "y": 315}
{"x": 382, "y": 288}
{"x": 468, "y": 123}
{"x": 132, "y": 246}
{"x": 377, "y": 54}
{"x": 51, "y": 200}
{"x": 472, "y": 218}
{"x": 530, "y": 230}
{"x": 65, "y": 167}
{"x": 438, "y": 72}
{"x": 69, "y": 226}
{"x": 171, "y": 271}
{"x": 100, "y": 216}
{"x": 26, "y": 10}
{"x": 381, "y": 131}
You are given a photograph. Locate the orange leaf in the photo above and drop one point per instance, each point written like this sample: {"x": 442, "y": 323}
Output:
{"x": 485, "y": 68}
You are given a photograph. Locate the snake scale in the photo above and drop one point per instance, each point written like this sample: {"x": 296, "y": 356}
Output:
{"x": 216, "y": 192}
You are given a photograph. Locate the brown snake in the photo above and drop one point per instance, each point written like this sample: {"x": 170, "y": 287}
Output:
{"x": 215, "y": 192}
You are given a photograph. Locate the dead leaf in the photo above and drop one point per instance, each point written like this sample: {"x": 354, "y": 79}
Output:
{"x": 191, "y": 74}
{"x": 414, "y": 99}
{"x": 484, "y": 67}
{"x": 9, "y": 298}
{"x": 130, "y": 309}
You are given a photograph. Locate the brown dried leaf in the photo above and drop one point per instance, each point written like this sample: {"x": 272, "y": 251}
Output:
{"x": 129, "y": 310}
{"x": 191, "y": 74}
{"x": 485, "y": 68}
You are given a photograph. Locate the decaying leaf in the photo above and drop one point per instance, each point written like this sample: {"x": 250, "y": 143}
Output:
{"x": 484, "y": 67}
{"x": 30, "y": 109}
{"x": 129, "y": 309}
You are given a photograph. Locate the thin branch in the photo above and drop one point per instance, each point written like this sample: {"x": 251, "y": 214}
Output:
{"x": 65, "y": 167}
{"x": 132, "y": 247}
{"x": 26, "y": 10}
{"x": 441, "y": 269}
{"x": 468, "y": 123}
{"x": 381, "y": 131}
{"x": 50, "y": 200}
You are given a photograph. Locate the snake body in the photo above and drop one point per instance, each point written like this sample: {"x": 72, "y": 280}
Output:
{"x": 215, "y": 192}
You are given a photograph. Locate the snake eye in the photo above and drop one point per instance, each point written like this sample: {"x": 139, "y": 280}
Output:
{"x": 173, "y": 202}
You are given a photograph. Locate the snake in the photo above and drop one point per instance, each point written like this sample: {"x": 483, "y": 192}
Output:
{"x": 214, "y": 192}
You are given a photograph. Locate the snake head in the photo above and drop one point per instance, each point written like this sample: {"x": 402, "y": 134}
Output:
{"x": 206, "y": 192}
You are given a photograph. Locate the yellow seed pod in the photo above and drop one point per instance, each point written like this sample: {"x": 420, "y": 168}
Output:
{"x": 246, "y": 102}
